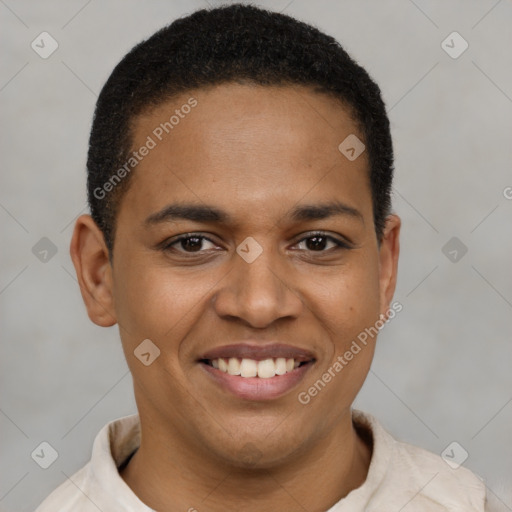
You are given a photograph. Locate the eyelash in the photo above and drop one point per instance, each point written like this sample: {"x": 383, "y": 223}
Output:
{"x": 340, "y": 245}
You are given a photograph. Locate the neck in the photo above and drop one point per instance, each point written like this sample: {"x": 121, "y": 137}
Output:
{"x": 169, "y": 476}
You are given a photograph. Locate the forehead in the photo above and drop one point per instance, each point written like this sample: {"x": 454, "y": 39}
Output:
{"x": 245, "y": 141}
{"x": 278, "y": 116}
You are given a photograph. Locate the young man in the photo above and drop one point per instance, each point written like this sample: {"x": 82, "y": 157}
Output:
{"x": 241, "y": 236}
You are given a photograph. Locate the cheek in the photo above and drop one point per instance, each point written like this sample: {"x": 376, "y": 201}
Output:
{"x": 155, "y": 303}
{"x": 348, "y": 300}
{"x": 347, "y": 307}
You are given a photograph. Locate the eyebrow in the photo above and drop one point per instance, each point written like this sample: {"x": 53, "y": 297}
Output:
{"x": 212, "y": 214}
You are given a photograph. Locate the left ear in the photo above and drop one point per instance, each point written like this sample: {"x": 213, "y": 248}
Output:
{"x": 388, "y": 261}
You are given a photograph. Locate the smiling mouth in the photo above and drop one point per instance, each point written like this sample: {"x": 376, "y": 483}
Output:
{"x": 250, "y": 368}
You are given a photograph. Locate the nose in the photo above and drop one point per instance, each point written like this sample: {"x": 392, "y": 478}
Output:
{"x": 258, "y": 293}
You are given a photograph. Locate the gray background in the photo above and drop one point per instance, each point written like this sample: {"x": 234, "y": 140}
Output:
{"x": 442, "y": 367}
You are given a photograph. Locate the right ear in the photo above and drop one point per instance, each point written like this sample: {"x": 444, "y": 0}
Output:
{"x": 93, "y": 269}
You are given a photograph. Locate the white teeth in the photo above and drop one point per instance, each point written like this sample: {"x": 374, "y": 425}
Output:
{"x": 249, "y": 368}
{"x": 233, "y": 366}
{"x": 265, "y": 369}
{"x": 223, "y": 366}
{"x": 280, "y": 366}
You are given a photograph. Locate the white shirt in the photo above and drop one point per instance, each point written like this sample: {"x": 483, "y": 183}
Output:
{"x": 401, "y": 477}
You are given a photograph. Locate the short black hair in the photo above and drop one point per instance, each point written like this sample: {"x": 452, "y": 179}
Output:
{"x": 236, "y": 43}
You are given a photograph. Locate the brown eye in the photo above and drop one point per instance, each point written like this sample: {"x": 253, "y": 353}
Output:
{"x": 189, "y": 244}
{"x": 315, "y": 243}
{"x": 319, "y": 242}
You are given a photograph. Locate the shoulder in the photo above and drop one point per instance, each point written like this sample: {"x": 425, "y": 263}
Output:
{"x": 417, "y": 478}
{"x": 452, "y": 488}
{"x": 69, "y": 495}
{"x": 97, "y": 485}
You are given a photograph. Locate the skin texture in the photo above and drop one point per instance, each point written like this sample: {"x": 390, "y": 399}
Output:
{"x": 255, "y": 152}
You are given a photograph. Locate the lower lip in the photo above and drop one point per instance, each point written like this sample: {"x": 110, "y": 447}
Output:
{"x": 256, "y": 388}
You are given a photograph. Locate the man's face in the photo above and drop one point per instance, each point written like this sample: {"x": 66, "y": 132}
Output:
{"x": 259, "y": 155}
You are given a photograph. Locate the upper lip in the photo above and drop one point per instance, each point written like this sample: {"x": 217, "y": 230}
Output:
{"x": 258, "y": 352}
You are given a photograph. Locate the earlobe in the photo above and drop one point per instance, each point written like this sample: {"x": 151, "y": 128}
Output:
{"x": 388, "y": 261}
{"x": 94, "y": 272}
